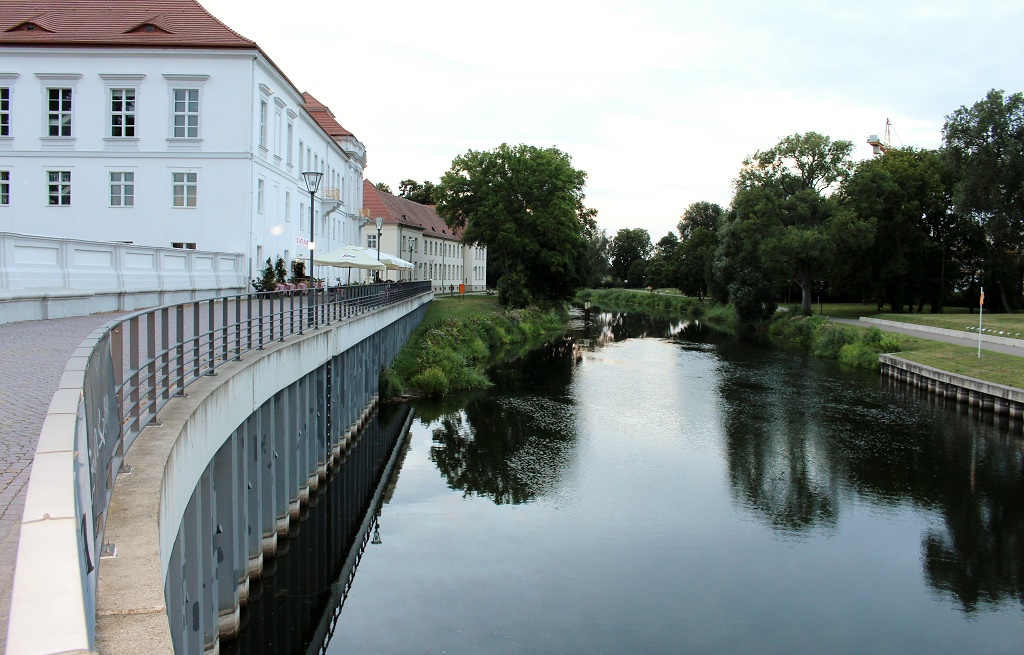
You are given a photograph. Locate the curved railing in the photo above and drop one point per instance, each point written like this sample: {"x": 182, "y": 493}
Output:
{"x": 115, "y": 385}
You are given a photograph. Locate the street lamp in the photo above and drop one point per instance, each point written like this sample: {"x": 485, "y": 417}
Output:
{"x": 412, "y": 273}
{"x": 312, "y": 179}
{"x": 380, "y": 224}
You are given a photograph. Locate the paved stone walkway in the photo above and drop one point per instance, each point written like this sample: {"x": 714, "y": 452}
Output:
{"x": 33, "y": 355}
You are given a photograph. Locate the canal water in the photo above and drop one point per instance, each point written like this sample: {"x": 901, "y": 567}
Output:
{"x": 643, "y": 486}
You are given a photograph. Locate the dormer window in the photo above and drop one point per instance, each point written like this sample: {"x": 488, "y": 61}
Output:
{"x": 147, "y": 28}
{"x": 27, "y": 27}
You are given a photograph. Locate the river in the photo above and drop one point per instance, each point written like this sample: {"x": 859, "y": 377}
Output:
{"x": 644, "y": 486}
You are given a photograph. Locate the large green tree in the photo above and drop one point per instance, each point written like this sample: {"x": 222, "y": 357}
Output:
{"x": 630, "y": 245}
{"x": 526, "y": 205}
{"x": 421, "y": 192}
{"x": 789, "y": 192}
{"x": 985, "y": 144}
{"x": 905, "y": 194}
{"x": 698, "y": 234}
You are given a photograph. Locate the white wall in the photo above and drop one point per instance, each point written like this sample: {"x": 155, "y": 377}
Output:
{"x": 226, "y": 158}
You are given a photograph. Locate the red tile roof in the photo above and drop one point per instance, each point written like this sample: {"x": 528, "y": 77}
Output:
{"x": 399, "y": 211}
{"x": 177, "y": 24}
{"x": 324, "y": 117}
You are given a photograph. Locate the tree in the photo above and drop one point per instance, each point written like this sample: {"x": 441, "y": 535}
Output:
{"x": 699, "y": 215}
{"x": 904, "y": 194}
{"x": 985, "y": 145}
{"x": 598, "y": 257}
{"x": 383, "y": 187}
{"x": 789, "y": 191}
{"x": 629, "y": 246}
{"x": 526, "y": 205}
{"x": 423, "y": 193}
{"x": 698, "y": 231}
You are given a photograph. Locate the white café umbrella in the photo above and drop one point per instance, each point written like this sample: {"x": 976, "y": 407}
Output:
{"x": 393, "y": 263}
{"x": 350, "y": 257}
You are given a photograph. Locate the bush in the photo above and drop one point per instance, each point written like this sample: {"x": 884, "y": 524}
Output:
{"x": 830, "y": 340}
{"x": 390, "y": 383}
{"x": 859, "y": 355}
{"x": 432, "y": 382}
{"x": 512, "y": 291}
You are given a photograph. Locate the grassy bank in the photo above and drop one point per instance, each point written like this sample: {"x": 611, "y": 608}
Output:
{"x": 860, "y": 347}
{"x": 459, "y": 338}
{"x": 952, "y": 318}
{"x": 659, "y": 304}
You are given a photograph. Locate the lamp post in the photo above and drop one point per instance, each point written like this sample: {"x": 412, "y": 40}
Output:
{"x": 380, "y": 224}
{"x": 412, "y": 273}
{"x": 312, "y": 179}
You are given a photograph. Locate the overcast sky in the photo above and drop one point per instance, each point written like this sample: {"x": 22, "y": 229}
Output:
{"x": 658, "y": 101}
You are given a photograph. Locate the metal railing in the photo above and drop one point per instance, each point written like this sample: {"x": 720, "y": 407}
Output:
{"x": 159, "y": 352}
{"x": 125, "y": 373}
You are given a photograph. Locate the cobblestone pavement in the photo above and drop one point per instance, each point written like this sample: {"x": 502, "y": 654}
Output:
{"x": 33, "y": 355}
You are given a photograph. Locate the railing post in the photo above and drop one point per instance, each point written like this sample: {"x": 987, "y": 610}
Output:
{"x": 165, "y": 355}
{"x": 151, "y": 382}
{"x": 181, "y": 349}
{"x": 211, "y": 333}
{"x": 133, "y": 371}
{"x": 197, "y": 350}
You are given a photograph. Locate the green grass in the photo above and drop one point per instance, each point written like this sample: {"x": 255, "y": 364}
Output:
{"x": 962, "y": 360}
{"x": 952, "y": 318}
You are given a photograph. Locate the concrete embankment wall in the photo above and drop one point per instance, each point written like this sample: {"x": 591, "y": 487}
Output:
{"x": 998, "y": 398}
{"x": 224, "y": 474}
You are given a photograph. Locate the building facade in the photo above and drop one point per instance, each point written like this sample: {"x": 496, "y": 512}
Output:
{"x": 150, "y": 122}
{"x": 417, "y": 234}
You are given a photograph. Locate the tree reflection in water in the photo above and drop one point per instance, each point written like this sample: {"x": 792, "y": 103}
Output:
{"x": 511, "y": 447}
{"x": 802, "y": 441}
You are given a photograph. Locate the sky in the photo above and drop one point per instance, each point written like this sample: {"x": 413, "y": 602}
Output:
{"x": 658, "y": 101}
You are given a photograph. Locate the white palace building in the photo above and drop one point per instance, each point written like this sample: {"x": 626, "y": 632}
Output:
{"x": 150, "y": 154}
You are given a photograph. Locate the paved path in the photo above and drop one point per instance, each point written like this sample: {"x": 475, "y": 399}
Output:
{"x": 33, "y": 355}
{"x": 966, "y": 340}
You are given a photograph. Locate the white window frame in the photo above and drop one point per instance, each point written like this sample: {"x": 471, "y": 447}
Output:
{"x": 371, "y": 241}
{"x": 290, "y": 138}
{"x": 191, "y": 86}
{"x": 122, "y": 188}
{"x": 185, "y": 181}
{"x": 185, "y": 96}
{"x": 5, "y": 188}
{"x": 126, "y": 115}
{"x": 264, "y": 109}
{"x": 58, "y": 189}
{"x": 261, "y": 196}
{"x": 287, "y": 206}
{"x": 5, "y": 111}
{"x": 63, "y": 115}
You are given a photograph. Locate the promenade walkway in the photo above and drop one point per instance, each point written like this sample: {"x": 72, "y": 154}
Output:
{"x": 969, "y": 340}
{"x": 33, "y": 355}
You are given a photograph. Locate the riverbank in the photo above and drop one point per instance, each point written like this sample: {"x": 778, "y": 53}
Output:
{"x": 459, "y": 338}
{"x": 855, "y": 346}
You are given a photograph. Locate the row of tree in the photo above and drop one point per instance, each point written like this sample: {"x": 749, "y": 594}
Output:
{"x": 907, "y": 228}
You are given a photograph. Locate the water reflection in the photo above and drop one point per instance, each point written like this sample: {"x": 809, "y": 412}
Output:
{"x": 802, "y": 438}
{"x": 295, "y": 607}
{"x": 802, "y": 442}
{"x": 511, "y": 449}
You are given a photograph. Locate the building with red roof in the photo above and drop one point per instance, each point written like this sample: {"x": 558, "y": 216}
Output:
{"x": 144, "y": 144}
{"x": 417, "y": 234}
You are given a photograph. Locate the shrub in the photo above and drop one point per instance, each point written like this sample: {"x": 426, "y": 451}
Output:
{"x": 390, "y": 383}
{"x": 830, "y": 340}
{"x": 858, "y": 354}
{"x": 432, "y": 382}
